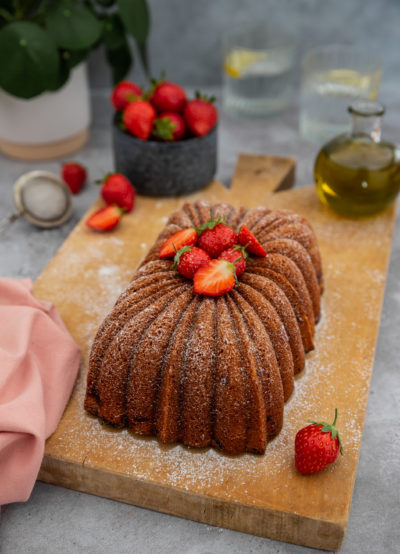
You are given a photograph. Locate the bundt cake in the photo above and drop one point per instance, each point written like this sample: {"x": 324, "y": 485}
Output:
{"x": 210, "y": 371}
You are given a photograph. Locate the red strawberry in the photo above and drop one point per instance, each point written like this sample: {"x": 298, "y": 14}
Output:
{"x": 168, "y": 97}
{"x": 105, "y": 219}
{"x": 117, "y": 189}
{"x": 215, "y": 278}
{"x": 186, "y": 237}
{"x": 200, "y": 115}
{"x": 317, "y": 446}
{"x": 138, "y": 118}
{"x": 124, "y": 93}
{"x": 189, "y": 259}
{"x": 216, "y": 236}
{"x": 247, "y": 239}
{"x": 74, "y": 175}
{"x": 169, "y": 126}
{"x": 238, "y": 256}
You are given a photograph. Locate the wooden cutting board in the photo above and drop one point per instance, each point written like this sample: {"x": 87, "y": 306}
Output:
{"x": 262, "y": 495}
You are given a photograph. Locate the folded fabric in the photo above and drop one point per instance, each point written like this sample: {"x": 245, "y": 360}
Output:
{"x": 39, "y": 362}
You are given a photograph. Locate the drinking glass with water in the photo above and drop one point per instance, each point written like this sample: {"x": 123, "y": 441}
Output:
{"x": 258, "y": 65}
{"x": 333, "y": 77}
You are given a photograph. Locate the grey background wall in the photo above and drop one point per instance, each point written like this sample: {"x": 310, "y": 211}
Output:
{"x": 186, "y": 34}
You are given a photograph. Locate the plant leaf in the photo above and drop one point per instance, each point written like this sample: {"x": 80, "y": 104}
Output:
{"x": 72, "y": 26}
{"x": 29, "y": 59}
{"x": 117, "y": 48}
{"x": 135, "y": 16}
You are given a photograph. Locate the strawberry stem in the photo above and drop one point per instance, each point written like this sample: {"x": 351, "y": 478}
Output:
{"x": 329, "y": 428}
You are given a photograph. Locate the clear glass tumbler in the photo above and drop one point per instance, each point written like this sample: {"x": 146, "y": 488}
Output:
{"x": 333, "y": 77}
{"x": 258, "y": 64}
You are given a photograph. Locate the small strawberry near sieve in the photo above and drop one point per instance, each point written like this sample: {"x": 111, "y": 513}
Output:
{"x": 42, "y": 199}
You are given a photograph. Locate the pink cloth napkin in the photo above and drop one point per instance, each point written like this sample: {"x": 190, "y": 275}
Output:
{"x": 39, "y": 362}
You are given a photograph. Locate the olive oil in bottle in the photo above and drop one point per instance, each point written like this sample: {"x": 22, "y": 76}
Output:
{"x": 357, "y": 174}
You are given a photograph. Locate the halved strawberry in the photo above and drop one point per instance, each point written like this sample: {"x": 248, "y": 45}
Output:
{"x": 105, "y": 218}
{"x": 238, "y": 256}
{"x": 247, "y": 239}
{"x": 186, "y": 237}
{"x": 215, "y": 278}
{"x": 190, "y": 259}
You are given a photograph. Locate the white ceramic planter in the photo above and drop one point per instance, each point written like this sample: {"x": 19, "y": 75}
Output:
{"x": 51, "y": 125}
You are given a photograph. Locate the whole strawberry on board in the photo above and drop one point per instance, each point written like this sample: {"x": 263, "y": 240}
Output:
{"x": 201, "y": 115}
{"x": 117, "y": 189}
{"x": 167, "y": 96}
{"x": 74, "y": 175}
{"x": 124, "y": 93}
{"x": 317, "y": 446}
{"x": 105, "y": 218}
{"x": 138, "y": 118}
{"x": 216, "y": 236}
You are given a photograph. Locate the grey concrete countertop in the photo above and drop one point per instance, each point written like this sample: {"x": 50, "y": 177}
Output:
{"x": 64, "y": 521}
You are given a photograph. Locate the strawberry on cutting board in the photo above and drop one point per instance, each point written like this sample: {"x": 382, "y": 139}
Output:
{"x": 247, "y": 239}
{"x": 317, "y": 446}
{"x": 74, "y": 175}
{"x": 215, "y": 278}
{"x": 138, "y": 118}
{"x": 200, "y": 115}
{"x": 124, "y": 93}
{"x": 117, "y": 189}
{"x": 185, "y": 237}
{"x": 105, "y": 218}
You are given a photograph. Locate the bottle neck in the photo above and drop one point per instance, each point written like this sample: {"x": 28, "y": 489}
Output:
{"x": 366, "y": 119}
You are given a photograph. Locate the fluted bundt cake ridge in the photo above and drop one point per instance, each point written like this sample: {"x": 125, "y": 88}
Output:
{"x": 210, "y": 370}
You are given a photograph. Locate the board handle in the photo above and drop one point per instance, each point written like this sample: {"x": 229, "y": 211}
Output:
{"x": 263, "y": 174}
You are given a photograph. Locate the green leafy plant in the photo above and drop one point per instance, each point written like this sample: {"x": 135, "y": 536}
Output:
{"x": 41, "y": 41}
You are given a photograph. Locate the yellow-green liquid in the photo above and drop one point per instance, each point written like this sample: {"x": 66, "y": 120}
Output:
{"x": 357, "y": 176}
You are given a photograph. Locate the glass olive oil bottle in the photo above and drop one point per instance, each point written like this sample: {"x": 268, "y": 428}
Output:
{"x": 358, "y": 174}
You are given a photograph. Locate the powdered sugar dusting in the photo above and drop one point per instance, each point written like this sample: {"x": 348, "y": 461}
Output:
{"x": 337, "y": 374}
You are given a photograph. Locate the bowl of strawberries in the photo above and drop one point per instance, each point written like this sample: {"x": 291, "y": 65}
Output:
{"x": 164, "y": 142}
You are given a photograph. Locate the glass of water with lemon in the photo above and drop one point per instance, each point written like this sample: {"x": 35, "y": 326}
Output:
{"x": 333, "y": 77}
{"x": 258, "y": 63}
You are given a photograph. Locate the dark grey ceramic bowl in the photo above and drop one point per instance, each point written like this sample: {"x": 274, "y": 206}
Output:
{"x": 165, "y": 168}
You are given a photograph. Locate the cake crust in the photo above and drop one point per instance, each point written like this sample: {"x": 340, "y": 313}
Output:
{"x": 210, "y": 371}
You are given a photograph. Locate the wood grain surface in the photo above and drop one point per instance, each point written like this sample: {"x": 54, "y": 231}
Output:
{"x": 263, "y": 495}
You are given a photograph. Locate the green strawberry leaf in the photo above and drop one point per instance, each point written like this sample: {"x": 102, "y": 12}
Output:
{"x": 29, "y": 59}
{"x": 179, "y": 254}
{"x": 330, "y": 428}
{"x": 72, "y": 26}
{"x": 163, "y": 128}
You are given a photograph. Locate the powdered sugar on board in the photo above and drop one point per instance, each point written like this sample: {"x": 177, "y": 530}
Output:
{"x": 336, "y": 372}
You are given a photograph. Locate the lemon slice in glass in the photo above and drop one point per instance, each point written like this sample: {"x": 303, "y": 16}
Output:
{"x": 348, "y": 77}
{"x": 240, "y": 60}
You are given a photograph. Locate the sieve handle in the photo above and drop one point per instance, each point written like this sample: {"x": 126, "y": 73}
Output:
{"x": 6, "y": 222}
